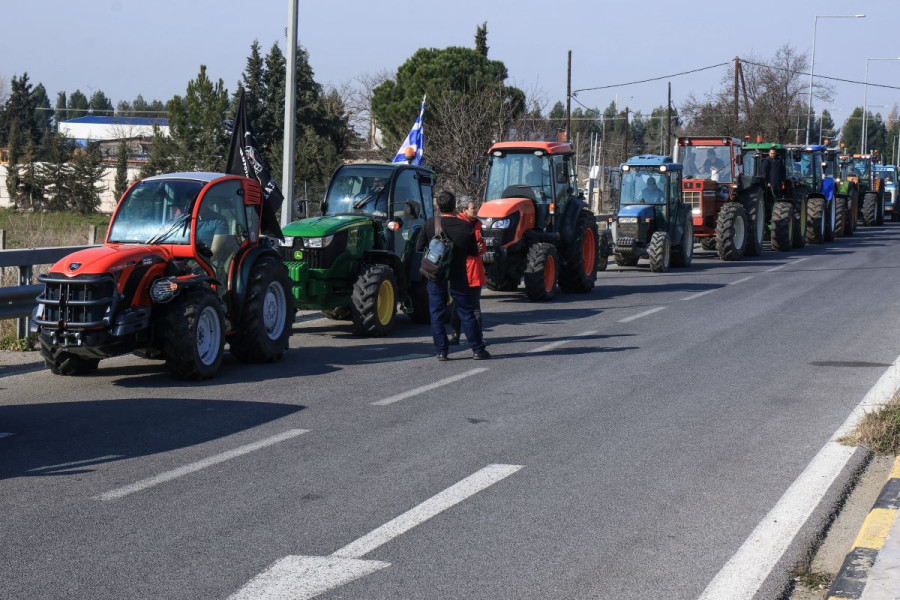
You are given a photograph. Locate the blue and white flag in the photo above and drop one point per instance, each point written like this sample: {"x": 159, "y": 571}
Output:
{"x": 415, "y": 140}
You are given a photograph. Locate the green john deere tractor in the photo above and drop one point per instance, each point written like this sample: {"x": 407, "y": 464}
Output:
{"x": 358, "y": 260}
{"x": 860, "y": 169}
{"x": 786, "y": 208}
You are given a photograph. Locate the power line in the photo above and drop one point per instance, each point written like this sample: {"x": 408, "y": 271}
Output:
{"x": 606, "y": 87}
{"x": 881, "y": 85}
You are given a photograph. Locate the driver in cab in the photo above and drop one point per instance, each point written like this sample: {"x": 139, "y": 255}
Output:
{"x": 651, "y": 192}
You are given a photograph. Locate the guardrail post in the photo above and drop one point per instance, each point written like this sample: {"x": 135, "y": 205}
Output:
{"x": 92, "y": 235}
{"x": 25, "y": 274}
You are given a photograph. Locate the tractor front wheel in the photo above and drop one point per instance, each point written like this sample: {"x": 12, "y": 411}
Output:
{"x": 756, "y": 217}
{"x": 801, "y": 222}
{"x": 684, "y": 253}
{"x": 193, "y": 335}
{"x": 840, "y": 217}
{"x": 264, "y": 326}
{"x": 815, "y": 231}
{"x": 782, "y": 226}
{"x": 831, "y": 220}
{"x": 660, "y": 251}
{"x": 541, "y": 272}
{"x": 870, "y": 209}
{"x": 374, "y": 301}
{"x": 731, "y": 231}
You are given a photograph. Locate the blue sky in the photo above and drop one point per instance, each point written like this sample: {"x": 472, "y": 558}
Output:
{"x": 126, "y": 47}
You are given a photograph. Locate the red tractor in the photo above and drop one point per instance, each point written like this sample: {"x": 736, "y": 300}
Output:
{"x": 536, "y": 224}
{"x": 728, "y": 209}
{"x": 183, "y": 270}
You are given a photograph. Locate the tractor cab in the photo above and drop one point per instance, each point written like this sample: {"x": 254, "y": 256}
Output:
{"x": 653, "y": 221}
{"x": 712, "y": 172}
{"x": 805, "y": 165}
{"x": 887, "y": 175}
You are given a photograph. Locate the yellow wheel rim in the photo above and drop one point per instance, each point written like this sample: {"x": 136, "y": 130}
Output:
{"x": 385, "y": 302}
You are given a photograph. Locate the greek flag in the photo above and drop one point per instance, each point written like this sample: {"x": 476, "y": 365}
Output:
{"x": 415, "y": 140}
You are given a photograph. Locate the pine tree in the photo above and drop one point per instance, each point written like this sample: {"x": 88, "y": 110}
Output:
{"x": 43, "y": 114}
{"x": 87, "y": 171}
{"x": 78, "y": 105}
{"x": 56, "y": 172}
{"x": 61, "y": 113}
{"x": 164, "y": 155}
{"x": 31, "y": 185}
{"x": 13, "y": 166}
{"x": 121, "y": 183}
{"x": 195, "y": 124}
{"x": 100, "y": 104}
{"x": 481, "y": 40}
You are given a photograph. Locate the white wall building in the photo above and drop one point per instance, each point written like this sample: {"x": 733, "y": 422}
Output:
{"x": 97, "y": 129}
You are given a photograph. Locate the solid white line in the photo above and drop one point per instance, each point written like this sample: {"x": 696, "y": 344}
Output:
{"x": 77, "y": 463}
{"x": 427, "y": 388}
{"x": 643, "y": 314}
{"x": 559, "y": 343}
{"x": 742, "y": 576}
{"x": 698, "y": 294}
{"x": 787, "y": 264}
{"x": 305, "y": 577}
{"x": 435, "y": 505}
{"x": 197, "y": 466}
{"x": 741, "y": 280}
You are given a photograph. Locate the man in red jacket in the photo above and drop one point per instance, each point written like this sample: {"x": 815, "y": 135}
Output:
{"x": 468, "y": 209}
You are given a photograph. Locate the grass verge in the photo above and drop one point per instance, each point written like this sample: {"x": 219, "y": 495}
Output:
{"x": 878, "y": 431}
{"x": 12, "y": 343}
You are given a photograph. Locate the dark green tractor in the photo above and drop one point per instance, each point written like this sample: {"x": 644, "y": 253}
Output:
{"x": 822, "y": 214}
{"x": 860, "y": 170}
{"x": 786, "y": 207}
{"x": 846, "y": 198}
{"x": 358, "y": 260}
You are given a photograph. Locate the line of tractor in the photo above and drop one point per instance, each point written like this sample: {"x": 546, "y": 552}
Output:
{"x": 195, "y": 261}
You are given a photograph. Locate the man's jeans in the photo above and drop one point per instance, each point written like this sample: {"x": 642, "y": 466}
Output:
{"x": 437, "y": 303}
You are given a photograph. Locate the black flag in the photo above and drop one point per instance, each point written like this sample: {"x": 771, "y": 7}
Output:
{"x": 244, "y": 158}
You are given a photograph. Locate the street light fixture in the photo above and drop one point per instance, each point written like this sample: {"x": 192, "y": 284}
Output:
{"x": 865, "y": 115}
{"x": 812, "y": 66}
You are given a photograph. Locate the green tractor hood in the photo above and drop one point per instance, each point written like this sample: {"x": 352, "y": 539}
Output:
{"x": 324, "y": 226}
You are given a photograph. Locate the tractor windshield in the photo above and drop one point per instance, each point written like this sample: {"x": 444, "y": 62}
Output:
{"x": 156, "y": 212}
{"x": 643, "y": 186}
{"x": 861, "y": 166}
{"x": 706, "y": 162}
{"x": 802, "y": 166}
{"x": 359, "y": 190}
{"x": 523, "y": 175}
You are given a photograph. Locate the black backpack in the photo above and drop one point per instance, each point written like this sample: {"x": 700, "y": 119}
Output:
{"x": 437, "y": 257}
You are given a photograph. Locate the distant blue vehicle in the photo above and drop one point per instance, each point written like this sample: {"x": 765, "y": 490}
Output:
{"x": 653, "y": 221}
{"x": 807, "y": 163}
{"x": 888, "y": 175}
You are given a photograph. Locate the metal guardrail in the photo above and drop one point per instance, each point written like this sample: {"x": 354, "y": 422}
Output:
{"x": 16, "y": 302}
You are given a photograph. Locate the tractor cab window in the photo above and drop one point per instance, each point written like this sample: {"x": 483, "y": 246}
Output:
{"x": 155, "y": 212}
{"x": 524, "y": 175}
{"x": 359, "y": 190}
{"x": 805, "y": 167}
{"x": 407, "y": 206}
{"x": 221, "y": 224}
{"x": 643, "y": 186}
{"x": 706, "y": 162}
{"x": 830, "y": 168}
{"x": 861, "y": 167}
{"x": 563, "y": 180}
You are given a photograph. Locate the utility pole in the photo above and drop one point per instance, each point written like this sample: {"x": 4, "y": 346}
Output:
{"x": 290, "y": 113}
{"x": 737, "y": 66}
{"x": 569, "y": 97}
{"x": 626, "y": 134}
{"x": 669, "y": 120}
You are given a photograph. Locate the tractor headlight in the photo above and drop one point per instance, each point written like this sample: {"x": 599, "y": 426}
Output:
{"x": 318, "y": 242}
{"x": 500, "y": 224}
{"x": 695, "y": 212}
{"x": 628, "y": 220}
{"x": 163, "y": 290}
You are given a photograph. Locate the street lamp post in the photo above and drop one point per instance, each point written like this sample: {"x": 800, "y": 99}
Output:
{"x": 812, "y": 66}
{"x": 865, "y": 115}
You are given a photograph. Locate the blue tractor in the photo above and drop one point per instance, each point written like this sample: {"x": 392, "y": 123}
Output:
{"x": 888, "y": 175}
{"x": 653, "y": 221}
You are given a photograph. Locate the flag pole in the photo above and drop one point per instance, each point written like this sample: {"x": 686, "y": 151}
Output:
{"x": 290, "y": 112}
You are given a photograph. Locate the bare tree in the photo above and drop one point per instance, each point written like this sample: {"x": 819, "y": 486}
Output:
{"x": 357, "y": 98}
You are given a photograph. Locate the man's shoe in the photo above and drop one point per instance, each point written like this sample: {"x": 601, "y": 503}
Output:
{"x": 442, "y": 356}
{"x": 454, "y": 339}
{"x": 483, "y": 355}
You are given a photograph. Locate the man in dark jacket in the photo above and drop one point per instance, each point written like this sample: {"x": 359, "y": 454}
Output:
{"x": 462, "y": 236}
{"x": 773, "y": 172}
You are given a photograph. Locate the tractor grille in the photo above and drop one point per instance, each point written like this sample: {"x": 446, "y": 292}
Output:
{"x": 79, "y": 302}
{"x": 694, "y": 199}
{"x": 627, "y": 230}
{"x": 315, "y": 258}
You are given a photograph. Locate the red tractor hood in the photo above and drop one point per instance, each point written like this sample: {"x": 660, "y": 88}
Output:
{"x": 109, "y": 259}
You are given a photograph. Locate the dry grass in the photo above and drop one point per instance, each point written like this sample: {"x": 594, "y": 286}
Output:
{"x": 878, "y": 431}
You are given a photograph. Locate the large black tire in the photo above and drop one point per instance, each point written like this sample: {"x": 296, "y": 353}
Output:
{"x": 626, "y": 260}
{"x": 756, "y": 220}
{"x": 683, "y": 253}
{"x": 341, "y": 313}
{"x": 61, "y": 362}
{"x": 374, "y": 301}
{"x": 870, "y": 209}
{"x": 541, "y": 272}
{"x": 782, "y": 226}
{"x": 831, "y": 219}
{"x": 801, "y": 223}
{"x": 509, "y": 283}
{"x": 192, "y": 333}
{"x": 708, "y": 243}
{"x": 815, "y": 230}
{"x": 418, "y": 294}
{"x": 604, "y": 250}
{"x": 579, "y": 273}
{"x": 852, "y": 214}
{"x": 731, "y": 231}
{"x": 264, "y": 325}
{"x": 660, "y": 251}
{"x": 879, "y": 220}
{"x": 840, "y": 216}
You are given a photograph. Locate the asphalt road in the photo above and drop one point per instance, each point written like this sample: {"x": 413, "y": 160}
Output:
{"x": 642, "y": 432}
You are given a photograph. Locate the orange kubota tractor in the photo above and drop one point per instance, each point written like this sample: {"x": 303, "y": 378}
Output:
{"x": 536, "y": 224}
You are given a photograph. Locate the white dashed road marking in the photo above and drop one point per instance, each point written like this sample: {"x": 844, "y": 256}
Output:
{"x": 428, "y": 388}
{"x": 76, "y": 463}
{"x": 643, "y": 314}
{"x": 741, "y": 280}
{"x": 787, "y": 264}
{"x": 698, "y": 294}
{"x": 559, "y": 343}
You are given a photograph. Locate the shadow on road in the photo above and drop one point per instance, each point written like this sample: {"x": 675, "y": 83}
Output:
{"x": 68, "y": 438}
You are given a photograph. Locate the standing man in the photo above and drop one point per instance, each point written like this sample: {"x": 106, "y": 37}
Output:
{"x": 773, "y": 172}
{"x": 462, "y": 236}
{"x": 468, "y": 211}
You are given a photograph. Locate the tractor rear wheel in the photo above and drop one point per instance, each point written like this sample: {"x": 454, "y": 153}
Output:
{"x": 782, "y": 226}
{"x": 815, "y": 231}
{"x": 193, "y": 334}
{"x": 684, "y": 252}
{"x": 61, "y": 362}
{"x": 879, "y": 203}
{"x": 708, "y": 243}
{"x": 660, "y": 251}
{"x": 801, "y": 222}
{"x": 756, "y": 217}
{"x": 830, "y": 219}
{"x": 626, "y": 260}
{"x": 579, "y": 273}
{"x": 870, "y": 209}
{"x": 374, "y": 301}
{"x": 731, "y": 231}
{"x": 852, "y": 213}
{"x": 541, "y": 271}
{"x": 840, "y": 216}
{"x": 264, "y": 325}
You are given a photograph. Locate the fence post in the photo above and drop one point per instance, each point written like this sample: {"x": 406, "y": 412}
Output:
{"x": 92, "y": 235}
{"x": 25, "y": 273}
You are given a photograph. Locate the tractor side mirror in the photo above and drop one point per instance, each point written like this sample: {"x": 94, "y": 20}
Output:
{"x": 475, "y": 176}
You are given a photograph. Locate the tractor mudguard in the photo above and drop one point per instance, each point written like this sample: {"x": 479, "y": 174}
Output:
{"x": 569, "y": 217}
{"x": 239, "y": 276}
